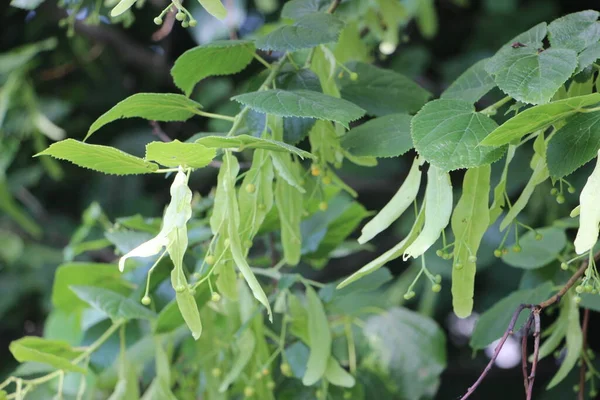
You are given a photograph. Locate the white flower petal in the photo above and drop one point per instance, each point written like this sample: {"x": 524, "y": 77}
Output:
{"x": 150, "y": 248}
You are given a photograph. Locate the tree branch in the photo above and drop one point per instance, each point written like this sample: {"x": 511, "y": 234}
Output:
{"x": 524, "y": 352}
{"x": 536, "y": 352}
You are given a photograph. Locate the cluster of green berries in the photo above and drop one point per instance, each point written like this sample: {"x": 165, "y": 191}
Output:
{"x": 560, "y": 197}
{"x": 182, "y": 16}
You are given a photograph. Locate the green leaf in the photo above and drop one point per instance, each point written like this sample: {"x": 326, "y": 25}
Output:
{"x": 116, "y": 306}
{"x": 336, "y": 375}
{"x": 574, "y": 339}
{"x": 151, "y": 106}
{"x": 404, "y": 198}
{"x": 447, "y": 134}
{"x": 243, "y": 142}
{"x": 308, "y": 31}
{"x": 175, "y": 153}
{"x": 170, "y": 317}
{"x": 472, "y": 85}
{"x": 189, "y": 311}
{"x": 470, "y": 220}
{"x": 245, "y": 346}
{"x": 298, "y": 8}
{"x": 221, "y": 57}
{"x": 574, "y": 144}
{"x": 530, "y": 73}
{"x": 381, "y": 91}
{"x": 99, "y": 158}
{"x": 319, "y": 339}
{"x": 389, "y": 255}
{"x": 18, "y": 57}
{"x": 387, "y": 136}
{"x": 302, "y": 103}
{"x": 25, "y": 5}
{"x": 56, "y": 353}
{"x": 88, "y": 274}
{"x": 493, "y": 322}
{"x": 537, "y": 118}
{"x": 214, "y": 8}
{"x": 289, "y": 208}
{"x": 414, "y": 364}
{"x": 575, "y": 31}
{"x": 537, "y": 253}
{"x": 588, "y": 56}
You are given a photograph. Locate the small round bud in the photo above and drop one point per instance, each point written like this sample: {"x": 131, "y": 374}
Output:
{"x": 180, "y": 16}
{"x": 472, "y": 259}
{"x": 458, "y": 266}
{"x": 315, "y": 170}
{"x": 571, "y": 189}
{"x": 588, "y": 288}
{"x": 436, "y": 288}
{"x": 577, "y": 299}
{"x": 210, "y": 259}
{"x": 498, "y": 253}
{"x": 341, "y": 75}
{"x": 347, "y": 395}
{"x": 539, "y": 236}
{"x": 216, "y": 372}
{"x": 576, "y": 388}
{"x": 258, "y": 375}
{"x": 215, "y": 297}
{"x": 248, "y": 391}
{"x": 564, "y": 266}
{"x": 265, "y": 371}
{"x": 387, "y": 48}
{"x": 62, "y": 23}
{"x": 180, "y": 288}
{"x": 560, "y": 199}
{"x": 270, "y": 385}
{"x": 439, "y": 253}
{"x": 185, "y": 24}
{"x": 326, "y": 180}
{"x": 286, "y": 370}
{"x": 323, "y": 206}
{"x": 438, "y": 278}
{"x": 579, "y": 289}
{"x": 409, "y": 295}
{"x": 193, "y": 23}
{"x": 554, "y": 191}
{"x": 319, "y": 394}
{"x": 353, "y": 76}
{"x": 146, "y": 300}
{"x": 248, "y": 243}
{"x": 262, "y": 207}
{"x": 516, "y": 248}
{"x": 447, "y": 256}
{"x": 250, "y": 188}
{"x": 158, "y": 21}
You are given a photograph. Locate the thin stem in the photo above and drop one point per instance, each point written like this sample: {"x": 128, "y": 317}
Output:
{"x": 509, "y": 331}
{"x": 491, "y": 110}
{"x": 215, "y": 116}
{"x": 351, "y": 345}
{"x": 332, "y": 7}
{"x": 524, "y": 353}
{"x": 261, "y": 60}
{"x": 536, "y": 352}
{"x": 166, "y": 170}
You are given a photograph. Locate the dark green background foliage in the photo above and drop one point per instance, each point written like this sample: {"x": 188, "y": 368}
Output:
{"x": 73, "y": 79}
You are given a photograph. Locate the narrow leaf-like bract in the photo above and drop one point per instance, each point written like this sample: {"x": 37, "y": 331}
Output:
{"x": 470, "y": 220}
{"x": 438, "y": 208}
{"x": 396, "y": 206}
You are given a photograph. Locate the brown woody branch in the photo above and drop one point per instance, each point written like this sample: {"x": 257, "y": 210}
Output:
{"x": 535, "y": 315}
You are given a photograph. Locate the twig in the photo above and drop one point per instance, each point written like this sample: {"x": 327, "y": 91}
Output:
{"x": 536, "y": 351}
{"x": 524, "y": 353}
{"x": 509, "y": 331}
{"x": 158, "y": 132}
{"x": 584, "y": 329}
{"x": 166, "y": 27}
{"x": 63, "y": 70}
{"x": 333, "y": 6}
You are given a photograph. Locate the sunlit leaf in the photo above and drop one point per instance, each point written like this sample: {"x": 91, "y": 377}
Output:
{"x": 114, "y": 305}
{"x": 56, "y": 353}
{"x": 175, "y": 153}
{"x": 387, "y": 136}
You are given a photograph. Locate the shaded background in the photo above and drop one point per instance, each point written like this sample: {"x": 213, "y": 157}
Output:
{"x": 100, "y": 65}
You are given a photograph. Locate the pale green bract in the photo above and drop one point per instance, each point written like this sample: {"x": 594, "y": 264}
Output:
{"x": 589, "y": 214}
{"x": 396, "y": 206}
{"x": 438, "y": 208}
{"x": 178, "y": 212}
{"x": 470, "y": 220}
{"x": 319, "y": 337}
